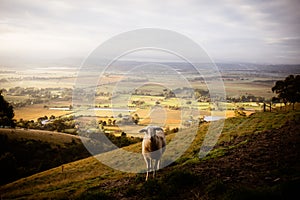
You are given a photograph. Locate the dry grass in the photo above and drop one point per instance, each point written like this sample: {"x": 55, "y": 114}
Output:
{"x": 55, "y": 138}
{"x": 78, "y": 176}
{"x": 75, "y": 178}
{"x": 239, "y": 88}
{"x": 33, "y": 112}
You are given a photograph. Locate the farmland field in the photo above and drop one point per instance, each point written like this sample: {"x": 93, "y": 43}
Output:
{"x": 238, "y": 88}
{"x": 150, "y": 100}
{"x": 33, "y": 112}
{"x": 154, "y": 99}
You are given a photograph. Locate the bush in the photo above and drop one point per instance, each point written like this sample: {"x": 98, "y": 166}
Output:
{"x": 8, "y": 167}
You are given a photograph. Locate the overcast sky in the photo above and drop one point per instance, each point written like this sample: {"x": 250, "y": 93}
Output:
{"x": 253, "y": 31}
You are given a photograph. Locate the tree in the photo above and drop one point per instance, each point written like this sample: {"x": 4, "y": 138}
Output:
{"x": 136, "y": 118}
{"x": 288, "y": 90}
{"x": 6, "y": 113}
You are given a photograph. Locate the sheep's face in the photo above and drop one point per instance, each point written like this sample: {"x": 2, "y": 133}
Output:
{"x": 150, "y": 131}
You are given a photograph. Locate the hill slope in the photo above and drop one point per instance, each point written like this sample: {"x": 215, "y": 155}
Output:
{"x": 257, "y": 156}
{"x": 26, "y": 152}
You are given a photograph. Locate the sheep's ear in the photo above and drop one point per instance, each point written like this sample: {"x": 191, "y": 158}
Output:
{"x": 158, "y": 129}
{"x": 143, "y": 131}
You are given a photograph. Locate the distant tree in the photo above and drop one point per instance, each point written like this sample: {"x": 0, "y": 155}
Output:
{"x": 136, "y": 118}
{"x": 168, "y": 94}
{"x": 123, "y": 134}
{"x": 6, "y": 113}
{"x": 239, "y": 113}
{"x": 174, "y": 130}
{"x": 167, "y": 130}
{"x": 288, "y": 90}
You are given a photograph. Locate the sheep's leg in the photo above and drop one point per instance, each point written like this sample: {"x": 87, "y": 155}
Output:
{"x": 147, "y": 175}
{"x": 156, "y": 163}
{"x": 148, "y": 163}
{"x": 151, "y": 165}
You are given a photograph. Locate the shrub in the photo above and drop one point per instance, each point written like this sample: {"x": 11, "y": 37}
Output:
{"x": 8, "y": 167}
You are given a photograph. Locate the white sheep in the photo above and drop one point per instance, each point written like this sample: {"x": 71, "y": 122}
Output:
{"x": 153, "y": 146}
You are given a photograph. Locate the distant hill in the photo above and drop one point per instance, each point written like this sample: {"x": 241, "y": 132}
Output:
{"x": 126, "y": 65}
{"x": 257, "y": 157}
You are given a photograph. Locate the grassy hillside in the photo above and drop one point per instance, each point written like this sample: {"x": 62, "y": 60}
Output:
{"x": 26, "y": 152}
{"x": 256, "y": 157}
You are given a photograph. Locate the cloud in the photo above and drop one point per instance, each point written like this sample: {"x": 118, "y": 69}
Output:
{"x": 228, "y": 29}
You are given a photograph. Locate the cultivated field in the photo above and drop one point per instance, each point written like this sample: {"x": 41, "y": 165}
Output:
{"x": 33, "y": 112}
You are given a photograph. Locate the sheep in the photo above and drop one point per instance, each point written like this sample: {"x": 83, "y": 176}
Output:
{"x": 153, "y": 146}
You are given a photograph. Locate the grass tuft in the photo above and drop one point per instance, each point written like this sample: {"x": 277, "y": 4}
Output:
{"x": 99, "y": 195}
